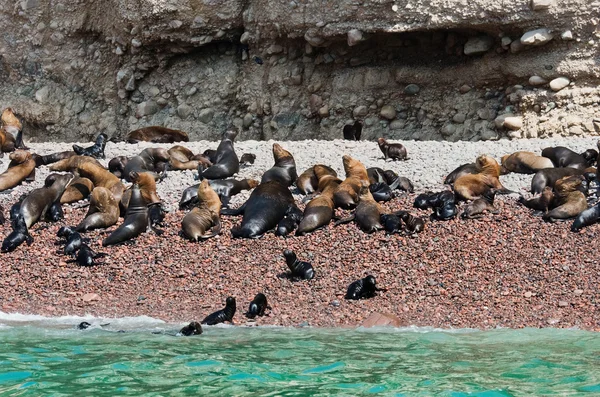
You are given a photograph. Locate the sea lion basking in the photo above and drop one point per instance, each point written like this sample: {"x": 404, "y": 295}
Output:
{"x": 157, "y": 134}
{"x": 135, "y": 223}
{"x": 568, "y": 201}
{"x": 225, "y": 161}
{"x": 203, "y": 222}
{"x": 524, "y": 163}
{"x": 284, "y": 170}
{"x": 37, "y": 203}
{"x": 21, "y": 166}
{"x": 103, "y": 211}
{"x": 472, "y": 186}
{"x": 347, "y": 193}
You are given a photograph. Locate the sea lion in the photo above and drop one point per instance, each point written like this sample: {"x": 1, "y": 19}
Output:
{"x": 444, "y": 205}
{"x": 284, "y": 170}
{"x": 381, "y": 191}
{"x": 103, "y": 211}
{"x": 308, "y": 182}
{"x": 568, "y": 201}
{"x": 477, "y": 207}
{"x": 87, "y": 257}
{"x": 394, "y": 151}
{"x": 71, "y": 163}
{"x": 472, "y": 186}
{"x": 78, "y": 189}
{"x": 367, "y": 214}
{"x": 404, "y": 183}
{"x": 136, "y": 220}
{"x": 586, "y": 218}
{"x": 247, "y": 159}
{"x": 86, "y": 167}
{"x": 285, "y": 226}
{"x": 257, "y": 306}
{"x": 220, "y": 316}
{"x": 203, "y": 222}
{"x": 145, "y": 181}
{"x": 11, "y": 132}
{"x": 211, "y": 154}
{"x": 96, "y": 150}
{"x": 156, "y": 216}
{"x": 18, "y": 236}
{"x": 540, "y": 203}
{"x": 225, "y": 162}
{"x": 146, "y": 162}
{"x": 180, "y": 153}
{"x": 37, "y": 203}
{"x": 352, "y": 132}
{"x": 224, "y": 188}
{"x": 73, "y": 241}
{"x": 20, "y": 167}
{"x": 52, "y": 158}
{"x": 193, "y": 328}
{"x": 413, "y": 224}
{"x": 364, "y": 288}
{"x": 319, "y": 210}
{"x": 267, "y": 205}
{"x": 347, "y": 194}
{"x": 117, "y": 165}
{"x": 564, "y": 157}
{"x": 549, "y": 176}
{"x": 392, "y": 223}
{"x": 299, "y": 269}
{"x": 465, "y": 169}
{"x": 157, "y": 134}
{"x": 55, "y": 213}
{"x": 182, "y": 158}
{"x": 524, "y": 163}
{"x": 83, "y": 325}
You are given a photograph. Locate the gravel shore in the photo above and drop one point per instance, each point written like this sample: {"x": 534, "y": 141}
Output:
{"x": 506, "y": 270}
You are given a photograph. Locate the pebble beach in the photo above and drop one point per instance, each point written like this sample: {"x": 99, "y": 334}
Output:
{"x": 506, "y": 270}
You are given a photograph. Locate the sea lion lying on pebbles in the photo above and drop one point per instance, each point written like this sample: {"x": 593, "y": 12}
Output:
{"x": 103, "y": 211}
{"x": 540, "y": 203}
{"x": 157, "y": 134}
{"x": 78, "y": 189}
{"x": 319, "y": 211}
{"x": 367, "y": 214}
{"x": 465, "y": 169}
{"x": 96, "y": 150}
{"x": 524, "y": 163}
{"x": 72, "y": 240}
{"x": 586, "y": 218}
{"x": 117, "y": 165}
{"x": 347, "y": 193}
{"x": 146, "y": 161}
{"x": 11, "y": 132}
{"x": 568, "y": 201}
{"x": 413, "y": 224}
{"x": 37, "y": 203}
{"x": 223, "y": 315}
{"x": 87, "y": 257}
{"x": 477, "y": 207}
{"x": 472, "y": 186}
{"x": 394, "y": 151}
{"x": 300, "y": 270}
{"x": 308, "y": 182}
{"x": 564, "y": 157}
{"x": 225, "y": 188}
{"x": 147, "y": 184}
{"x": 549, "y": 176}
{"x": 20, "y": 167}
{"x": 204, "y": 221}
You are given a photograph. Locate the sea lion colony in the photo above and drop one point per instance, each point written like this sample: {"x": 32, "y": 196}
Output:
{"x": 560, "y": 184}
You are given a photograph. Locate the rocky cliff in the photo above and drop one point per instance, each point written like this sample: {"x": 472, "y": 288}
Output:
{"x": 298, "y": 69}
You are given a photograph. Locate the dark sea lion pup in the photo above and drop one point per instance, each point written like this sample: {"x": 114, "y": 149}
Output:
{"x": 83, "y": 325}
{"x": 352, "y": 132}
{"x": 299, "y": 269}
{"x": 257, "y": 306}
{"x": 540, "y": 203}
{"x": 394, "y": 151}
{"x": 136, "y": 220}
{"x": 73, "y": 240}
{"x": 247, "y": 159}
{"x": 586, "y": 218}
{"x": 96, "y": 150}
{"x": 364, "y": 288}
{"x": 476, "y": 208}
{"x": 86, "y": 257}
{"x": 414, "y": 224}
{"x": 193, "y": 328}
{"x": 392, "y": 223}
{"x": 220, "y": 316}
{"x": 18, "y": 236}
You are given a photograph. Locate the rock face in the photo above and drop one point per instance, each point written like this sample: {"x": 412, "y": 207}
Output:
{"x": 72, "y": 69}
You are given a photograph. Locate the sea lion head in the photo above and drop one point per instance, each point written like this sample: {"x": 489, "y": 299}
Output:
{"x": 147, "y": 185}
{"x": 193, "y": 328}
{"x": 488, "y": 165}
{"x": 252, "y": 183}
{"x": 59, "y": 181}
{"x": 10, "y": 120}
{"x": 19, "y": 156}
{"x": 382, "y": 142}
{"x": 230, "y": 301}
{"x": 370, "y": 280}
{"x": 208, "y": 197}
{"x": 351, "y": 165}
{"x": 290, "y": 256}
{"x": 280, "y": 154}
{"x": 568, "y": 184}
{"x": 230, "y": 135}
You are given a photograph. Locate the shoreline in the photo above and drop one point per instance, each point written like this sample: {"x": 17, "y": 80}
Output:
{"x": 509, "y": 270}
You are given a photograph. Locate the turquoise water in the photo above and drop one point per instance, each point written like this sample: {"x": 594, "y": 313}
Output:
{"x": 54, "y": 359}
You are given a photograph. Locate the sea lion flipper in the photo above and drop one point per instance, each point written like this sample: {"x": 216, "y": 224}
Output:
{"x": 225, "y": 201}
{"x": 234, "y": 211}
{"x": 216, "y": 229}
{"x": 344, "y": 220}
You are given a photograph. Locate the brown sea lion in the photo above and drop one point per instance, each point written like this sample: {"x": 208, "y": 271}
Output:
{"x": 180, "y": 153}
{"x": 568, "y": 201}
{"x": 284, "y": 169}
{"x": 394, "y": 151}
{"x": 11, "y": 136}
{"x": 524, "y": 163}
{"x": 368, "y": 213}
{"x": 478, "y": 207}
{"x": 71, "y": 163}
{"x": 465, "y": 169}
{"x": 319, "y": 210}
{"x": 86, "y": 168}
{"x": 225, "y": 188}
{"x": 117, "y": 165}
{"x": 308, "y": 182}
{"x": 540, "y": 203}
{"x": 146, "y": 161}
{"x": 352, "y": 132}
{"x": 157, "y": 134}
{"x": 136, "y": 220}
{"x": 267, "y": 205}
{"x": 78, "y": 189}
{"x": 564, "y": 157}
{"x": 347, "y": 193}
{"x": 147, "y": 185}
{"x": 183, "y": 158}
{"x": 21, "y": 166}
{"x": 225, "y": 161}
{"x": 203, "y": 221}
{"x": 103, "y": 211}
{"x": 472, "y": 186}
{"x": 37, "y": 203}
{"x": 549, "y": 176}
